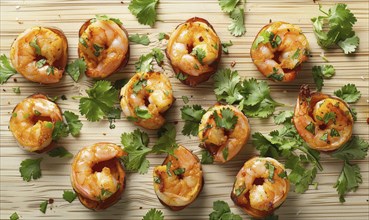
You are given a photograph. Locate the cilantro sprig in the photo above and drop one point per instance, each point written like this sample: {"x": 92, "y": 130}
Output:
{"x": 320, "y": 73}
{"x": 236, "y": 13}
{"x": 226, "y": 119}
{"x": 349, "y": 93}
{"x": 192, "y": 116}
{"x": 30, "y": 169}
{"x": 221, "y": 210}
{"x": 154, "y": 214}
{"x": 334, "y": 28}
{"x": 6, "y": 69}
{"x": 102, "y": 17}
{"x": 144, "y": 10}
{"x": 144, "y": 63}
{"x": 253, "y": 97}
{"x": 140, "y": 39}
{"x": 100, "y": 101}
{"x": 73, "y": 126}
{"x": 76, "y": 68}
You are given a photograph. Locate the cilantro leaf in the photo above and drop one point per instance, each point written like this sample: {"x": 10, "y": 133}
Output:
{"x": 227, "y": 120}
{"x": 74, "y": 124}
{"x": 354, "y": 149}
{"x": 283, "y": 117}
{"x": 30, "y": 169}
{"x": 206, "y": 157}
{"x": 225, "y": 46}
{"x": 135, "y": 145}
{"x": 167, "y": 140}
{"x": 16, "y": 90}
{"x": 348, "y": 93}
{"x": 100, "y": 101}
{"x": 144, "y": 64}
{"x": 263, "y": 37}
{"x": 154, "y": 214}
{"x": 349, "y": 180}
{"x": 6, "y": 69}
{"x": 142, "y": 113}
{"x": 140, "y": 39}
{"x": 161, "y": 36}
{"x": 43, "y": 206}
{"x": 322, "y": 72}
{"x": 192, "y": 117}
{"x": 69, "y": 196}
{"x": 335, "y": 28}
{"x": 60, "y": 130}
{"x": 228, "y": 5}
{"x": 158, "y": 55}
{"x": 237, "y": 27}
{"x": 60, "y": 152}
{"x": 76, "y": 68}
{"x": 199, "y": 53}
{"x": 144, "y": 10}
{"x": 222, "y": 211}
{"x": 34, "y": 44}
{"x": 14, "y": 216}
{"x": 227, "y": 86}
{"x": 107, "y": 18}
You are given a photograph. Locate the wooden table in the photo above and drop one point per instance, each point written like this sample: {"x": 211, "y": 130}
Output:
{"x": 139, "y": 197}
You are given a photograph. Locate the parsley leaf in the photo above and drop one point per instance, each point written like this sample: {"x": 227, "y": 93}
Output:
{"x": 30, "y": 169}
{"x": 43, "y": 206}
{"x": 6, "y": 69}
{"x": 349, "y": 180}
{"x": 335, "y": 28}
{"x": 227, "y": 120}
{"x": 206, "y": 157}
{"x": 76, "y": 68}
{"x": 135, "y": 145}
{"x": 144, "y": 10}
{"x": 348, "y": 93}
{"x": 167, "y": 140}
{"x": 222, "y": 211}
{"x": 100, "y": 101}
{"x": 14, "y": 216}
{"x": 69, "y": 196}
{"x": 140, "y": 39}
{"x": 192, "y": 117}
{"x": 60, "y": 152}
{"x": 225, "y": 46}
{"x": 74, "y": 124}
{"x": 154, "y": 214}
{"x": 228, "y": 5}
{"x": 322, "y": 72}
{"x": 355, "y": 149}
{"x": 237, "y": 27}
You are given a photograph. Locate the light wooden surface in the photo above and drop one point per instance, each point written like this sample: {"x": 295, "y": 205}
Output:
{"x": 139, "y": 197}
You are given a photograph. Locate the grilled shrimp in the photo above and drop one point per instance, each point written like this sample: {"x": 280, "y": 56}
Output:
{"x": 40, "y": 54}
{"x": 145, "y": 98}
{"x": 32, "y": 123}
{"x": 103, "y": 44}
{"x": 98, "y": 176}
{"x": 324, "y": 122}
{"x": 279, "y": 50}
{"x": 179, "y": 180}
{"x": 223, "y": 143}
{"x": 194, "y": 51}
{"x": 259, "y": 188}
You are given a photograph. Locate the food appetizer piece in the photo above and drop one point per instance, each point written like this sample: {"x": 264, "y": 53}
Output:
{"x": 40, "y": 54}
{"x": 104, "y": 46}
{"x": 32, "y": 123}
{"x": 261, "y": 186}
{"x": 324, "y": 122}
{"x": 194, "y": 50}
{"x": 145, "y": 98}
{"x": 279, "y": 50}
{"x": 223, "y": 131}
{"x": 98, "y": 176}
{"x": 179, "y": 180}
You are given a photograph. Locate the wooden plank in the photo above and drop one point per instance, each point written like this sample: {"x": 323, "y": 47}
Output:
{"x": 139, "y": 197}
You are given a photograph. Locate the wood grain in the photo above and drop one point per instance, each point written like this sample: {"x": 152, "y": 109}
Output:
{"x": 139, "y": 197}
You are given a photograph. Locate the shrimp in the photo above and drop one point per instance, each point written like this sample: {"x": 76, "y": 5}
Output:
{"x": 259, "y": 188}
{"x": 145, "y": 98}
{"x": 279, "y": 50}
{"x": 40, "y": 54}
{"x": 98, "y": 176}
{"x": 32, "y": 123}
{"x": 194, "y": 51}
{"x": 179, "y": 180}
{"x": 221, "y": 142}
{"x": 324, "y": 122}
{"x": 103, "y": 44}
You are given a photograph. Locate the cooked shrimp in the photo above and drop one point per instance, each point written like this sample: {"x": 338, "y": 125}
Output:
{"x": 40, "y": 54}
{"x": 103, "y": 44}
{"x": 324, "y": 122}
{"x": 145, "y": 98}
{"x": 32, "y": 123}
{"x": 194, "y": 50}
{"x": 98, "y": 176}
{"x": 278, "y": 51}
{"x": 223, "y": 143}
{"x": 179, "y": 180}
{"x": 259, "y": 188}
